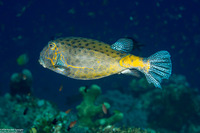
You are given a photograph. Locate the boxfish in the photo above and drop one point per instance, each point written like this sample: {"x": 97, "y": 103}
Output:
{"x": 88, "y": 59}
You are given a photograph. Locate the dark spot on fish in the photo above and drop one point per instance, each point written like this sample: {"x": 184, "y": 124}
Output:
{"x": 75, "y": 39}
{"x": 117, "y": 53}
{"x": 69, "y": 44}
{"x": 79, "y": 44}
{"x": 25, "y": 111}
{"x": 74, "y": 46}
{"x": 86, "y": 44}
{"x": 85, "y": 40}
{"x": 84, "y": 77}
{"x": 106, "y": 46}
{"x": 73, "y": 42}
{"x": 62, "y": 43}
{"x": 94, "y": 46}
{"x": 92, "y": 42}
{"x": 100, "y": 44}
{"x": 101, "y": 49}
{"x": 95, "y": 50}
{"x": 54, "y": 121}
{"x": 67, "y": 40}
{"x": 106, "y": 50}
{"x": 108, "y": 54}
{"x": 89, "y": 49}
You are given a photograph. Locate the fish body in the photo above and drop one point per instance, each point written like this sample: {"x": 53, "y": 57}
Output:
{"x": 87, "y": 59}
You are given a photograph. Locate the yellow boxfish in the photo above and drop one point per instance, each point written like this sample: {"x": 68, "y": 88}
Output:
{"x": 87, "y": 59}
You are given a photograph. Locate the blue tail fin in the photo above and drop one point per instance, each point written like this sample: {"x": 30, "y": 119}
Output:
{"x": 160, "y": 68}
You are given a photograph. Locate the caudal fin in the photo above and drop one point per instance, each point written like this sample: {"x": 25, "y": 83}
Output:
{"x": 160, "y": 68}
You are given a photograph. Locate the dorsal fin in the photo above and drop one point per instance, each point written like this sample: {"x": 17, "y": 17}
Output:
{"x": 124, "y": 45}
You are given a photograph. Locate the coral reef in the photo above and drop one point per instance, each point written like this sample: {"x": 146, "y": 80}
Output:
{"x": 112, "y": 129}
{"x": 129, "y": 106}
{"x": 174, "y": 109}
{"x": 28, "y": 112}
{"x": 88, "y": 111}
{"x": 21, "y": 83}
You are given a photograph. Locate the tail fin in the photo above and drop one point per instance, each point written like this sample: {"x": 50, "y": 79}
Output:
{"x": 160, "y": 68}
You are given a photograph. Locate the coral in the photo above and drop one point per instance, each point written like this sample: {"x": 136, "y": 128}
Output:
{"x": 21, "y": 83}
{"x": 129, "y": 106}
{"x": 22, "y": 59}
{"x": 40, "y": 114}
{"x": 87, "y": 110}
{"x": 112, "y": 129}
{"x": 177, "y": 102}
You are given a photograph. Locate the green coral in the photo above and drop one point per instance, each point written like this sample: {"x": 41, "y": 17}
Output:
{"x": 112, "y": 129}
{"x": 40, "y": 115}
{"x": 87, "y": 110}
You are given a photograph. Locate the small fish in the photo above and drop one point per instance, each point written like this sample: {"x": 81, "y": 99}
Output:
{"x": 61, "y": 87}
{"x": 105, "y": 111}
{"x": 88, "y": 59}
{"x": 67, "y": 112}
{"x": 25, "y": 111}
{"x": 71, "y": 125}
{"x": 54, "y": 121}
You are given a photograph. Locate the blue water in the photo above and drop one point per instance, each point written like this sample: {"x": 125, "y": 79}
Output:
{"x": 27, "y": 26}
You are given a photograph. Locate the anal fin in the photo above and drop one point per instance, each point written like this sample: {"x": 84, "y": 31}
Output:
{"x": 132, "y": 72}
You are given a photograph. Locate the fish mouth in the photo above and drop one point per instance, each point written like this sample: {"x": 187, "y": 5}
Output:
{"x": 42, "y": 63}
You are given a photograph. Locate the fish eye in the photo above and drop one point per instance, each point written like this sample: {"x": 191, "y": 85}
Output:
{"x": 52, "y": 45}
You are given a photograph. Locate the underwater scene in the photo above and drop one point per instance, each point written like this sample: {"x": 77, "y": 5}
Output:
{"x": 100, "y": 66}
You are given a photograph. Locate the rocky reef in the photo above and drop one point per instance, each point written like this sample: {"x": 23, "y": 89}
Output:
{"x": 173, "y": 109}
{"x": 137, "y": 109}
{"x": 30, "y": 113}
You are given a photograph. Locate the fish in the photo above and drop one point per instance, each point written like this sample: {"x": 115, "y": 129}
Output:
{"x": 71, "y": 125}
{"x": 67, "y": 112}
{"x": 88, "y": 59}
{"x": 105, "y": 111}
{"x": 61, "y": 87}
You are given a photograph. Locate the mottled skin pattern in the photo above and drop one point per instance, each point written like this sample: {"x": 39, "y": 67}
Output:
{"x": 81, "y": 58}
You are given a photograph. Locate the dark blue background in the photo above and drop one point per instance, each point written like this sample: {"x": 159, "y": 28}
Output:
{"x": 159, "y": 24}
